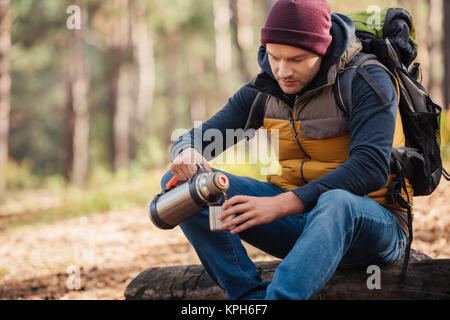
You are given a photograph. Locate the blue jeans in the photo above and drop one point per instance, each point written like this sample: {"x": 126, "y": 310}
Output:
{"x": 342, "y": 230}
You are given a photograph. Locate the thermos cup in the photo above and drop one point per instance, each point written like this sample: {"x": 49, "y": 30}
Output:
{"x": 175, "y": 204}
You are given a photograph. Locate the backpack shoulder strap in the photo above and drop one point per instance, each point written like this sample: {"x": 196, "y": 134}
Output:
{"x": 344, "y": 81}
{"x": 257, "y": 111}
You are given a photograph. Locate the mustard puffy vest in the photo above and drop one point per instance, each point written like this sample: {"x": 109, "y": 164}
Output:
{"x": 322, "y": 132}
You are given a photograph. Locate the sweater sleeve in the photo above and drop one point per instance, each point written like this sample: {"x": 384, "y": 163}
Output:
{"x": 371, "y": 127}
{"x": 210, "y": 138}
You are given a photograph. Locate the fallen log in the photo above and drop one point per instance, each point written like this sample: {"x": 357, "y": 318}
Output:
{"x": 426, "y": 279}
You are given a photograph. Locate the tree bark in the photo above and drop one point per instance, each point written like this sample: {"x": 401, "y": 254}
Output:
{"x": 426, "y": 279}
{"x": 222, "y": 18}
{"x": 197, "y": 97}
{"x": 143, "y": 48}
{"x": 5, "y": 90}
{"x": 143, "y": 51}
{"x": 172, "y": 65}
{"x": 446, "y": 53}
{"x": 77, "y": 108}
{"x": 241, "y": 23}
{"x": 120, "y": 45}
{"x": 433, "y": 36}
{"x": 121, "y": 116}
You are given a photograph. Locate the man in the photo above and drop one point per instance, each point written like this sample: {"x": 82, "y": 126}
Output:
{"x": 327, "y": 207}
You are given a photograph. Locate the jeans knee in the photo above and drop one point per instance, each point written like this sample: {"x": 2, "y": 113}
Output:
{"x": 195, "y": 223}
{"x": 335, "y": 204}
{"x": 335, "y": 198}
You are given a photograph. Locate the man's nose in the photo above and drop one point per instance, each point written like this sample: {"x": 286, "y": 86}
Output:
{"x": 284, "y": 70}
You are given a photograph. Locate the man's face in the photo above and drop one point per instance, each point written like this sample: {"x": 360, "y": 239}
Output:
{"x": 294, "y": 68}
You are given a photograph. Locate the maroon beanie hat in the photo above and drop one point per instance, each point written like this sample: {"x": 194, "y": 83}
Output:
{"x": 299, "y": 23}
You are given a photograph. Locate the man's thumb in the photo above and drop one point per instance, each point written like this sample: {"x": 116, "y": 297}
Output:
{"x": 206, "y": 165}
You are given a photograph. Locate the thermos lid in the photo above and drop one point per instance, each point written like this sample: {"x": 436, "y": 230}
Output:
{"x": 221, "y": 181}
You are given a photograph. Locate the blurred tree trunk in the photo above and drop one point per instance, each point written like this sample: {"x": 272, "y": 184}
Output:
{"x": 432, "y": 43}
{"x": 120, "y": 82}
{"x": 243, "y": 34}
{"x": 197, "y": 91}
{"x": 5, "y": 88}
{"x": 223, "y": 46}
{"x": 172, "y": 44}
{"x": 143, "y": 50}
{"x": 121, "y": 116}
{"x": 77, "y": 108}
{"x": 222, "y": 18}
{"x": 446, "y": 53}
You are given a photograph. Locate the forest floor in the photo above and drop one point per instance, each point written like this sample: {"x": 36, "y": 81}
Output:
{"x": 96, "y": 256}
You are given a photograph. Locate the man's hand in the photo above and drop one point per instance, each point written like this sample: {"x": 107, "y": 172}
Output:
{"x": 184, "y": 165}
{"x": 253, "y": 211}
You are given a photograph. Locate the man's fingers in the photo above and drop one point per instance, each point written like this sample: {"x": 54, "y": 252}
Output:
{"x": 179, "y": 172}
{"x": 234, "y": 200}
{"x": 188, "y": 156}
{"x": 175, "y": 171}
{"x": 239, "y": 208}
{"x": 184, "y": 165}
{"x": 206, "y": 165}
{"x": 248, "y": 224}
{"x": 186, "y": 172}
{"x": 192, "y": 169}
{"x": 237, "y": 220}
{"x": 183, "y": 171}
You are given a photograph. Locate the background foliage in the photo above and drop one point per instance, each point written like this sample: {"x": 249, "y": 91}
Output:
{"x": 189, "y": 84}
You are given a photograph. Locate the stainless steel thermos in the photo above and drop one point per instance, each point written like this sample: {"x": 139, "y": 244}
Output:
{"x": 175, "y": 204}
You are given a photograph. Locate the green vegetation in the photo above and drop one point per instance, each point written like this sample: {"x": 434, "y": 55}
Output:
{"x": 105, "y": 191}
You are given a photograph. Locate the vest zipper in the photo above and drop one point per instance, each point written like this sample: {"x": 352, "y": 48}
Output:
{"x": 292, "y": 126}
{"x": 292, "y": 122}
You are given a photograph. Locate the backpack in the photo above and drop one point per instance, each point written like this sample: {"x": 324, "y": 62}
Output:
{"x": 393, "y": 43}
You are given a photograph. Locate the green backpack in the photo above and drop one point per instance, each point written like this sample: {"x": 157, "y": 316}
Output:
{"x": 394, "y": 24}
{"x": 393, "y": 43}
